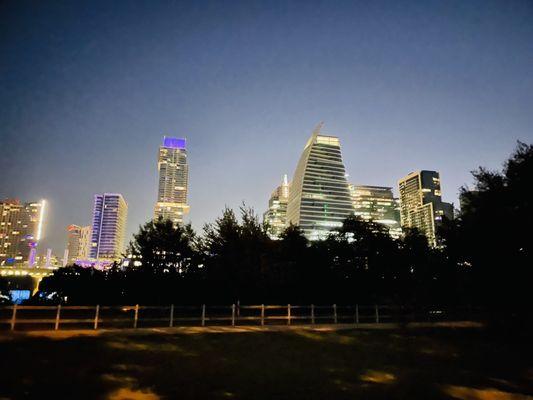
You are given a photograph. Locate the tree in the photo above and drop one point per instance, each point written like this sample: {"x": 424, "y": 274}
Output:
{"x": 75, "y": 285}
{"x": 492, "y": 236}
{"x": 162, "y": 247}
{"x": 364, "y": 258}
{"x": 236, "y": 256}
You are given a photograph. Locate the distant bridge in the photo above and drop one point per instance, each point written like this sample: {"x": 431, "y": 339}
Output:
{"x": 34, "y": 272}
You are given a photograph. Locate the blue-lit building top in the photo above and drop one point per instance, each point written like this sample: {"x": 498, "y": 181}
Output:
{"x": 174, "y": 143}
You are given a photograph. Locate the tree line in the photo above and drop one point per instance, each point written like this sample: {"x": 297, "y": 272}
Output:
{"x": 484, "y": 257}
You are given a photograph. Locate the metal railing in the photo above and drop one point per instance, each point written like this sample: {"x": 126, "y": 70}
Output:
{"x": 95, "y": 317}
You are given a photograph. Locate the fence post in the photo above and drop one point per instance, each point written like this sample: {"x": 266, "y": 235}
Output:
{"x": 203, "y": 314}
{"x": 56, "y": 327}
{"x": 312, "y": 314}
{"x": 136, "y": 316}
{"x": 335, "y": 313}
{"x": 14, "y": 317}
{"x": 171, "y": 322}
{"x": 233, "y": 315}
{"x": 377, "y": 314}
{"x": 288, "y": 314}
{"x": 357, "y": 314}
{"x": 262, "y": 314}
{"x": 96, "y": 316}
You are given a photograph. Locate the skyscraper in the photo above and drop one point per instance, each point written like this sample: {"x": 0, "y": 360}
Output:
{"x": 109, "y": 227}
{"x": 85, "y": 242}
{"x": 78, "y": 243}
{"x": 377, "y": 204}
{"x": 421, "y": 204}
{"x": 21, "y": 228}
{"x": 173, "y": 180}
{"x": 73, "y": 243}
{"x": 276, "y": 215}
{"x": 319, "y": 197}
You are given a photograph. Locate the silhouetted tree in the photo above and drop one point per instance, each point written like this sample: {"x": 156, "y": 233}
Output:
{"x": 75, "y": 285}
{"x": 161, "y": 246}
{"x": 492, "y": 235}
{"x": 235, "y": 255}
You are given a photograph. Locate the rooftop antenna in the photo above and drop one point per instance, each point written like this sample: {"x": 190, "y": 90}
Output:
{"x": 318, "y": 128}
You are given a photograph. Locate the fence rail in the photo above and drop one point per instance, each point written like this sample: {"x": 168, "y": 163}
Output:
{"x": 133, "y": 316}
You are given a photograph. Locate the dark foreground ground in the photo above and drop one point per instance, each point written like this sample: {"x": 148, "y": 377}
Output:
{"x": 439, "y": 363}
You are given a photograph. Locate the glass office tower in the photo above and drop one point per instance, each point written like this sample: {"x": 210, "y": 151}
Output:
{"x": 276, "y": 215}
{"x": 319, "y": 197}
{"x": 377, "y": 204}
{"x": 421, "y": 204}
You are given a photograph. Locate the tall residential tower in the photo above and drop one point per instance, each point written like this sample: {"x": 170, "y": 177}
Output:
{"x": 78, "y": 243}
{"x": 109, "y": 227}
{"x": 73, "y": 243}
{"x": 421, "y": 204}
{"x": 21, "y": 228}
{"x": 173, "y": 180}
{"x": 319, "y": 197}
{"x": 276, "y": 215}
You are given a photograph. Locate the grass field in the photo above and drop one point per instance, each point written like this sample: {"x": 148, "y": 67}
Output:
{"x": 296, "y": 364}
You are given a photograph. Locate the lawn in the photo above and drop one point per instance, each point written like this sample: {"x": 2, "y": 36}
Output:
{"x": 296, "y": 364}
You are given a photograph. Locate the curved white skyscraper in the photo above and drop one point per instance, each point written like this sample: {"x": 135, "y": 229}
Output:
{"x": 319, "y": 197}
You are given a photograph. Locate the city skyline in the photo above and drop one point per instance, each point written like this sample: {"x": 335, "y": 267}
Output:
{"x": 245, "y": 84}
{"x": 58, "y": 251}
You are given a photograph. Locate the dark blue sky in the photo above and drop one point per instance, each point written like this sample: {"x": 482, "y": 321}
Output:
{"x": 87, "y": 90}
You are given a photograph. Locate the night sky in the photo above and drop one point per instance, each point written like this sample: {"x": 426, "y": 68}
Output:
{"x": 88, "y": 89}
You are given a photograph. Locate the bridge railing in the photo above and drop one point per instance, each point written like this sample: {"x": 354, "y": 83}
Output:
{"x": 135, "y": 316}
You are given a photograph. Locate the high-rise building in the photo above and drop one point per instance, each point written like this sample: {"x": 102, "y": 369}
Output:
{"x": 78, "y": 243}
{"x": 377, "y": 204}
{"x": 109, "y": 227}
{"x": 421, "y": 203}
{"x": 21, "y": 228}
{"x": 173, "y": 180}
{"x": 276, "y": 215}
{"x": 85, "y": 242}
{"x": 73, "y": 243}
{"x": 319, "y": 197}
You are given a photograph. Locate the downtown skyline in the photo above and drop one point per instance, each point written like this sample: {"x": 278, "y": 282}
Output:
{"x": 78, "y": 119}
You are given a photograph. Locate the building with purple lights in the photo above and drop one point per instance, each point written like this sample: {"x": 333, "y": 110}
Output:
{"x": 173, "y": 186}
{"x": 109, "y": 227}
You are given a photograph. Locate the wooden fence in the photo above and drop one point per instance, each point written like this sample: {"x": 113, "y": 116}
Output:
{"x": 56, "y": 317}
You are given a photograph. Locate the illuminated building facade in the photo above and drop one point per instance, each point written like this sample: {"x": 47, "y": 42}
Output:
{"x": 21, "y": 228}
{"x": 73, "y": 243}
{"x": 109, "y": 227}
{"x": 377, "y": 204}
{"x": 276, "y": 215}
{"x": 78, "y": 243}
{"x": 421, "y": 204}
{"x": 85, "y": 242}
{"x": 319, "y": 197}
{"x": 173, "y": 180}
